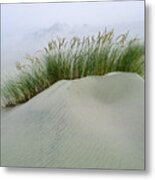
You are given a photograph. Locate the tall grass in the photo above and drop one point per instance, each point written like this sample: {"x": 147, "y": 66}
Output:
{"x": 71, "y": 59}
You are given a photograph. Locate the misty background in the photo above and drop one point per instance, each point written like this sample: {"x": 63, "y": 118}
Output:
{"x": 27, "y": 28}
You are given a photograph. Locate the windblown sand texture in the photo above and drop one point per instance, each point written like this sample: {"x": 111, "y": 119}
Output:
{"x": 93, "y": 122}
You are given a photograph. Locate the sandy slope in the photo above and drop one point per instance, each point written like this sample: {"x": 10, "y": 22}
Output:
{"x": 94, "y": 122}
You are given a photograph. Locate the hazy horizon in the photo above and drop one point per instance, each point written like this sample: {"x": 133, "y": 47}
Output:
{"x": 26, "y": 17}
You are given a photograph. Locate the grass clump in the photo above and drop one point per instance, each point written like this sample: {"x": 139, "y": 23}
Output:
{"x": 71, "y": 59}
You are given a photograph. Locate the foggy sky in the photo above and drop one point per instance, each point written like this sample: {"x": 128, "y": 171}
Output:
{"x": 19, "y": 18}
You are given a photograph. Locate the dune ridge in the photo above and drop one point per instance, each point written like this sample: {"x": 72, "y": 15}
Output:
{"x": 93, "y": 122}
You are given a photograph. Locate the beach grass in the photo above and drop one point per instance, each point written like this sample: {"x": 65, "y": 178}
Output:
{"x": 72, "y": 59}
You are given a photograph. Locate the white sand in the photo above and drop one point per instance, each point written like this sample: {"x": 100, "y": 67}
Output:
{"x": 94, "y": 122}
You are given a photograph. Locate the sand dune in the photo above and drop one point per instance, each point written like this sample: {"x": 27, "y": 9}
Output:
{"x": 94, "y": 122}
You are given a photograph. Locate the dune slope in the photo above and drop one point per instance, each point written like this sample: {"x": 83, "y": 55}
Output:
{"x": 94, "y": 122}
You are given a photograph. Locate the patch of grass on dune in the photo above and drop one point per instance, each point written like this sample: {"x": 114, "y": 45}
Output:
{"x": 71, "y": 59}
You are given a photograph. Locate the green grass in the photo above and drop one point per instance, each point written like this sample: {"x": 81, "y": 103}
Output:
{"x": 76, "y": 58}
